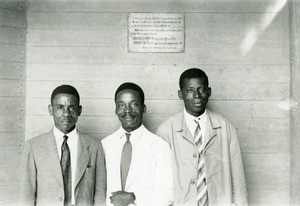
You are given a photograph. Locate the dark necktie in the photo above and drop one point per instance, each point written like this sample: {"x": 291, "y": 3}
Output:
{"x": 65, "y": 163}
{"x": 125, "y": 160}
{"x": 202, "y": 199}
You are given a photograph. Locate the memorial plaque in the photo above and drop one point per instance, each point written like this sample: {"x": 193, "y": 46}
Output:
{"x": 155, "y": 32}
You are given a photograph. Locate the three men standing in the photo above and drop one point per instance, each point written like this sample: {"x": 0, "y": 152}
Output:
{"x": 203, "y": 167}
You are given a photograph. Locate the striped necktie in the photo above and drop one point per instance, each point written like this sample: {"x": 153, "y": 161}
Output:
{"x": 125, "y": 160}
{"x": 65, "y": 163}
{"x": 202, "y": 198}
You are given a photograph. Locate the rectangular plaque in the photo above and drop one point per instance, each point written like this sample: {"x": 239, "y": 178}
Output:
{"x": 155, "y": 32}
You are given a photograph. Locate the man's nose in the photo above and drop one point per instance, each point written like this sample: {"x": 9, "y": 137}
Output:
{"x": 196, "y": 93}
{"x": 66, "y": 111}
{"x": 128, "y": 108}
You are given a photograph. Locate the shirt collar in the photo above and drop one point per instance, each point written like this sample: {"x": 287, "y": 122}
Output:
{"x": 59, "y": 134}
{"x": 190, "y": 118}
{"x": 135, "y": 133}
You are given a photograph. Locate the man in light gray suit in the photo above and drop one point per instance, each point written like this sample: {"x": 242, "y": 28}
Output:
{"x": 63, "y": 167}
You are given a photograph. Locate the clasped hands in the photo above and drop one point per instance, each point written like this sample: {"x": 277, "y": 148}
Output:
{"x": 122, "y": 198}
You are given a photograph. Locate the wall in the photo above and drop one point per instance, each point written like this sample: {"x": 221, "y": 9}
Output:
{"x": 12, "y": 95}
{"x": 295, "y": 93}
{"x": 84, "y": 43}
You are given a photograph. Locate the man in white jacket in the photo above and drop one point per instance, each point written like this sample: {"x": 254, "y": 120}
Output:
{"x": 139, "y": 163}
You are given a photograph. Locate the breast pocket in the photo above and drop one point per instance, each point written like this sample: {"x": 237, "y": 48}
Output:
{"x": 88, "y": 177}
{"x": 89, "y": 170}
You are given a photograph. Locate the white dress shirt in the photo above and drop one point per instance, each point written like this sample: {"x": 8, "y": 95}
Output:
{"x": 190, "y": 122}
{"x": 72, "y": 143}
{"x": 150, "y": 175}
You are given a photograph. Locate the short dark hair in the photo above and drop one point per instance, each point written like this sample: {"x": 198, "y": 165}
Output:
{"x": 192, "y": 73}
{"x": 65, "y": 89}
{"x": 133, "y": 86}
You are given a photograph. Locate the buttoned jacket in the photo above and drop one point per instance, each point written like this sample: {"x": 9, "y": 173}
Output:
{"x": 41, "y": 181}
{"x": 222, "y": 157}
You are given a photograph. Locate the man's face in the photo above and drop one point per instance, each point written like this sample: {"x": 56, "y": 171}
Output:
{"x": 129, "y": 109}
{"x": 65, "y": 111}
{"x": 195, "y": 95}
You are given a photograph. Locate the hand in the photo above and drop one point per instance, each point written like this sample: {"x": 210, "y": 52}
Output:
{"x": 122, "y": 198}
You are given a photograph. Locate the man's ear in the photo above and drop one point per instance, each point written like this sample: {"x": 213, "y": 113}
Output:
{"x": 209, "y": 91}
{"x": 79, "y": 110}
{"x": 179, "y": 94}
{"x": 50, "y": 109}
{"x": 144, "y": 109}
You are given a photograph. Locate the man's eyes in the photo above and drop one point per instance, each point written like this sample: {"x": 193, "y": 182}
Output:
{"x": 189, "y": 90}
{"x": 121, "y": 105}
{"x": 59, "y": 107}
{"x": 200, "y": 89}
{"x": 62, "y": 107}
{"x": 132, "y": 105}
{"x": 73, "y": 108}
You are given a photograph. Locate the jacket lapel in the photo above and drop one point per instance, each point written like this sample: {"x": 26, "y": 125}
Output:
{"x": 83, "y": 158}
{"x": 184, "y": 131}
{"x": 50, "y": 155}
{"x": 212, "y": 125}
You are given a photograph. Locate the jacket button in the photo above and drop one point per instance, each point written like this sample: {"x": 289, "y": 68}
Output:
{"x": 195, "y": 155}
{"x": 193, "y": 182}
{"x": 61, "y": 199}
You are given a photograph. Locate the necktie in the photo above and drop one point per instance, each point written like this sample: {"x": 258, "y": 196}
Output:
{"x": 202, "y": 198}
{"x": 125, "y": 160}
{"x": 65, "y": 163}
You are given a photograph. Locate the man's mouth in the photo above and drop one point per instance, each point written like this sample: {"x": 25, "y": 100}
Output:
{"x": 198, "y": 104}
{"x": 128, "y": 117}
{"x": 66, "y": 121}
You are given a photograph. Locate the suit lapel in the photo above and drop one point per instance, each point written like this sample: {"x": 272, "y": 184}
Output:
{"x": 83, "y": 158}
{"x": 50, "y": 155}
